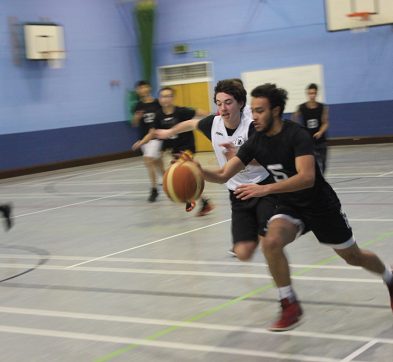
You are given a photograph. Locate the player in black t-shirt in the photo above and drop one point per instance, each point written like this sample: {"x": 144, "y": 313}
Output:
{"x": 314, "y": 117}
{"x": 144, "y": 115}
{"x": 169, "y": 116}
{"x": 307, "y": 201}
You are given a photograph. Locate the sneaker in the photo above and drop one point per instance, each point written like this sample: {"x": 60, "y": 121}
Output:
{"x": 6, "y": 210}
{"x": 153, "y": 195}
{"x": 390, "y": 288}
{"x": 206, "y": 208}
{"x": 232, "y": 253}
{"x": 290, "y": 316}
{"x": 190, "y": 206}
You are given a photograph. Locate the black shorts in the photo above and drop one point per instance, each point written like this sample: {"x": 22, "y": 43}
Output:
{"x": 250, "y": 217}
{"x": 329, "y": 226}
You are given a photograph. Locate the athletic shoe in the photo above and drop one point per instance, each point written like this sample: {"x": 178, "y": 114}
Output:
{"x": 291, "y": 314}
{"x": 153, "y": 195}
{"x": 232, "y": 253}
{"x": 190, "y": 206}
{"x": 206, "y": 208}
{"x": 6, "y": 210}
{"x": 390, "y": 288}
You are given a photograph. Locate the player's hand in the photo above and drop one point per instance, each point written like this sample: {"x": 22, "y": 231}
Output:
{"x": 229, "y": 150}
{"x": 162, "y": 134}
{"x": 245, "y": 192}
{"x": 317, "y": 135}
{"x": 136, "y": 145}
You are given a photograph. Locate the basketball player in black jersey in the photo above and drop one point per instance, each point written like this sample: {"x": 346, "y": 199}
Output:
{"x": 169, "y": 116}
{"x": 307, "y": 201}
{"x": 144, "y": 114}
{"x": 314, "y": 117}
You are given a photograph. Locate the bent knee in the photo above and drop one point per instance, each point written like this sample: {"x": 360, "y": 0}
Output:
{"x": 244, "y": 250}
{"x": 272, "y": 244}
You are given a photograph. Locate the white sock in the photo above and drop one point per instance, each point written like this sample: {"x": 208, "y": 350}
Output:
{"x": 286, "y": 292}
{"x": 387, "y": 275}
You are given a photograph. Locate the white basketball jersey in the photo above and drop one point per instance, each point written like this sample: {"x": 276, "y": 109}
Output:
{"x": 252, "y": 173}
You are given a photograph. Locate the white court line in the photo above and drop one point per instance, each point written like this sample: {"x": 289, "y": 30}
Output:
{"x": 161, "y": 344}
{"x": 385, "y": 174}
{"x": 150, "y": 243}
{"x": 235, "y": 262}
{"x": 182, "y": 273}
{"x": 73, "y": 204}
{"x": 359, "y": 351}
{"x": 183, "y": 324}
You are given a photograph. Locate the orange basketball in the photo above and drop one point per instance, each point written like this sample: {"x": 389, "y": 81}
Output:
{"x": 183, "y": 181}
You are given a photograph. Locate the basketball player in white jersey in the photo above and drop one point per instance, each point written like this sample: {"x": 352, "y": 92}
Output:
{"x": 232, "y": 128}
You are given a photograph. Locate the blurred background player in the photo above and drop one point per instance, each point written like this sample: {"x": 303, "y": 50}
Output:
{"x": 227, "y": 132}
{"x": 6, "y": 211}
{"x": 143, "y": 117}
{"x": 167, "y": 117}
{"x": 314, "y": 117}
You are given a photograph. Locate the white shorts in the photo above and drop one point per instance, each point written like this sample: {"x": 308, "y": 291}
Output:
{"x": 152, "y": 149}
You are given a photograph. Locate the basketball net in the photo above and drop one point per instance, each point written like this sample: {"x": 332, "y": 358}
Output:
{"x": 55, "y": 58}
{"x": 359, "y": 21}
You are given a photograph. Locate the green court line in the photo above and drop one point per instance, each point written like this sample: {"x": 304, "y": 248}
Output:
{"x": 231, "y": 302}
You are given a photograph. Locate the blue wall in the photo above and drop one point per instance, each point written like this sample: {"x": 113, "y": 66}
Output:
{"x": 249, "y": 35}
{"x": 42, "y": 110}
{"x": 47, "y": 114}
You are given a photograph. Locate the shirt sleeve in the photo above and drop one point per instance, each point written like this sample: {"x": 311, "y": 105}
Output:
{"x": 205, "y": 126}
{"x": 186, "y": 113}
{"x": 303, "y": 143}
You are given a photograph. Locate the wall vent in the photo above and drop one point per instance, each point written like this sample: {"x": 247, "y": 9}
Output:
{"x": 185, "y": 73}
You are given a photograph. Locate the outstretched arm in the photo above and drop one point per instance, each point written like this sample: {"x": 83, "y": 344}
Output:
{"x": 181, "y": 127}
{"x": 230, "y": 169}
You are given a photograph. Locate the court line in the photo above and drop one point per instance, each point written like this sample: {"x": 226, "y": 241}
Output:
{"x": 359, "y": 351}
{"x": 161, "y": 344}
{"x": 386, "y": 173}
{"x": 146, "y": 244}
{"x": 194, "y": 325}
{"x": 185, "y": 273}
{"x": 184, "y": 233}
{"x": 73, "y": 204}
{"x": 229, "y": 303}
{"x": 235, "y": 262}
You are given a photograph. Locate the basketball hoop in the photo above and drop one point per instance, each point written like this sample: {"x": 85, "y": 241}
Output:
{"x": 360, "y": 20}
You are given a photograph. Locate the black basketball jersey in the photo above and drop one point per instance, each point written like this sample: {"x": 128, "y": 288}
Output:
{"x": 277, "y": 154}
{"x": 312, "y": 119}
{"x": 181, "y": 141}
{"x": 149, "y": 114}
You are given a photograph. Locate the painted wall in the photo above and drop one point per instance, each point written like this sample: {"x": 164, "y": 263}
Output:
{"x": 100, "y": 44}
{"x": 47, "y": 115}
{"x": 249, "y": 35}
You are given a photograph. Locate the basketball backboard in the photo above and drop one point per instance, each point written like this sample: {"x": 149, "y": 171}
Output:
{"x": 337, "y": 13}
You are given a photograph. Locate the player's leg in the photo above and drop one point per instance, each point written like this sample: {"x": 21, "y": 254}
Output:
{"x": 6, "y": 211}
{"x": 244, "y": 227}
{"x": 321, "y": 156}
{"x": 366, "y": 259}
{"x": 334, "y": 230}
{"x": 282, "y": 230}
{"x": 151, "y": 152}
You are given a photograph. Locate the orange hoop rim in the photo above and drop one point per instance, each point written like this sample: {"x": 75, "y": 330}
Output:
{"x": 363, "y": 15}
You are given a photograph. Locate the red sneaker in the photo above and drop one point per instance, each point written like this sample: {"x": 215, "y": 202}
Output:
{"x": 290, "y": 316}
{"x": 390, "y": 289}
{"x": 206, "y": 208}
{"x": 190, "y": 206}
